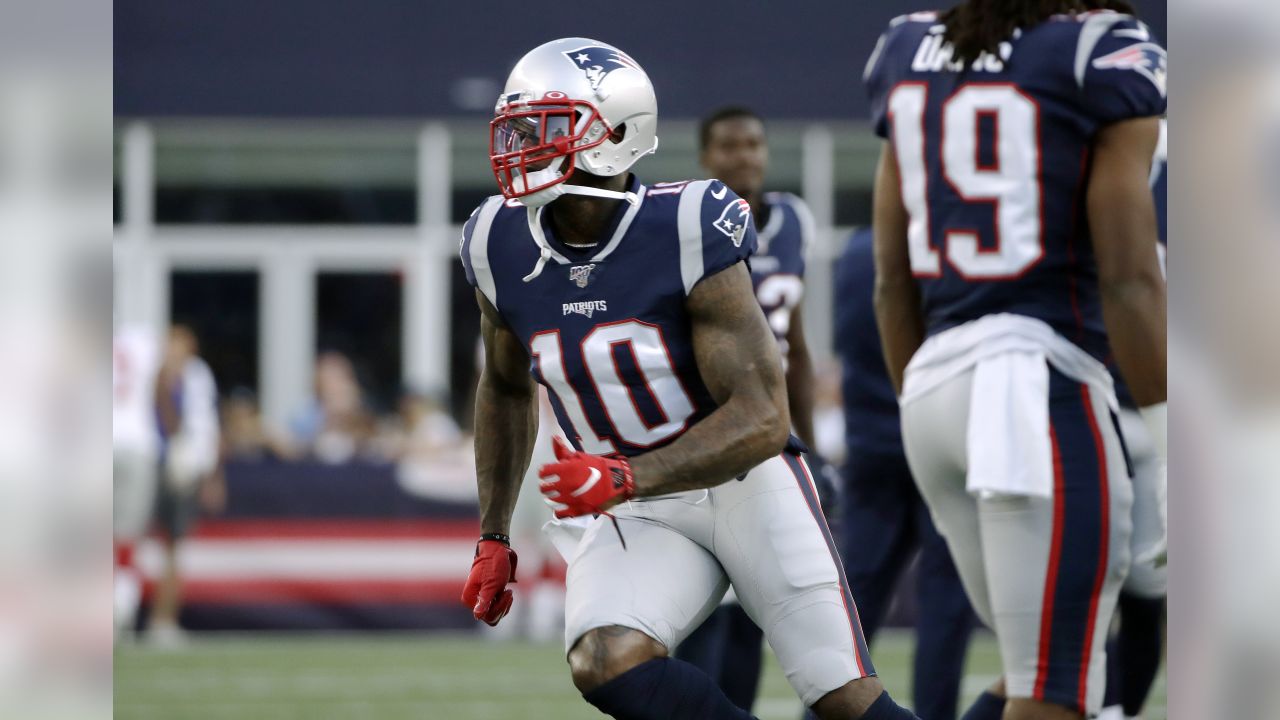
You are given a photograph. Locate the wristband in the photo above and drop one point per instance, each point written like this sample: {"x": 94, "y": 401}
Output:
{"x": 496, "y": 537}
{"x": 1157, "y": 419}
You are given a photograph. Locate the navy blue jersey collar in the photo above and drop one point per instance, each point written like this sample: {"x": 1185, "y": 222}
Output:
{"x": 615, "y": 230}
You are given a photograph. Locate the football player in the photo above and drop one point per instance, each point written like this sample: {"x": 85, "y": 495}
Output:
{"x": 733, "y": 149}
{"x": 1015, "y": 251}
{"x": 884, "y": 521}
{"x": 632, "y": 305}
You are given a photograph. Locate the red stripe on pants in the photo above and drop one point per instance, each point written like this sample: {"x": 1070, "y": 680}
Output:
{"x": 1051, "y": 576}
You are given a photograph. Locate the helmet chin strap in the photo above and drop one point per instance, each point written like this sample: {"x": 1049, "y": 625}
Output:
{"x": 544, "y": 250}
{"x": 546, "y": 195}
{"x": 629, "y": 196}
{"x": 536, "y": 200}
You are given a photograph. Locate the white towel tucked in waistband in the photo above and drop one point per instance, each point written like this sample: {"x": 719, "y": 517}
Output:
{"x": 1008, "y": 441}
{"x": 1008, "y": 446}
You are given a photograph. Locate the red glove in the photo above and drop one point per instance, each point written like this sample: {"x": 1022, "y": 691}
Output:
{"x": 584, "y": 484}
{"x": 485, "y": 592}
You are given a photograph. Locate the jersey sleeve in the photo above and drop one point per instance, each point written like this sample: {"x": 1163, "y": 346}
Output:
{"x": 1121, "y": 69}
{"x": 464, "y": 245}
{"x": 874, "y": 78}
{"x": 716, "y": 231}
{"x": 882, "y": 70}
{"x": 474, "y": 249}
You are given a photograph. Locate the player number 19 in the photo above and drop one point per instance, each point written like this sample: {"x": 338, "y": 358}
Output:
{"x": 1011, "y": 184}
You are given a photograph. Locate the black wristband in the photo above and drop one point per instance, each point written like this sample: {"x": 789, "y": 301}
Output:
{"x": 497, "y": 537}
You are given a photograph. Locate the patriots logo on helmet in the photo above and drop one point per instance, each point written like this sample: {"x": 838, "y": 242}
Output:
{"x": 1145, "y": 58}
{"x": 733, "y": 220}
{"x": 596, "y": 62}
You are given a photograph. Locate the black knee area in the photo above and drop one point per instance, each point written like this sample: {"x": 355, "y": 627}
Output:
{"x": 663, "y": 689}
{"x": 884, "y": 708}
{"x": 986, "y": 707}
{"x": 607, "y": 652}
{"x": 1139, "y": 649}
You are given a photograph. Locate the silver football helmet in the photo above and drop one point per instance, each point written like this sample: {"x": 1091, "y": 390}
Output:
{"x": 572, "y": 103}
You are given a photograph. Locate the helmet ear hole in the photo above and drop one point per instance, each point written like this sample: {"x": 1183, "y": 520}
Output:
{"x": 619, "y": 134}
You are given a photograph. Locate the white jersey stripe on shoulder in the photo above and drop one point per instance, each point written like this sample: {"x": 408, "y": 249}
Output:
{"x": 689, "y": 223}
{"x": 873, "y": 58}
{"x": 1095, "y": 26}
{"x": 479, "y": 248}
{"x": 808, "y": 226}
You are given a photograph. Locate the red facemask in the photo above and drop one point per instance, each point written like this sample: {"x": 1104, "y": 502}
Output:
{"x": 531, "y": 136}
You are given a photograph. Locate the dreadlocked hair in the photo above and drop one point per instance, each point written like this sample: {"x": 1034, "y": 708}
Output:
{"x": 977, "y": 26}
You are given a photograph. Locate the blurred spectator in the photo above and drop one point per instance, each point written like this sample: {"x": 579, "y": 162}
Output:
{"x": 187, "y": 417}
{"x": 244, "y": 434}
{"x": 421, "y": 427}
{"x": 433, "y": 456}
{"x": 135, "y": 440}
{"x": 335, "y": 426}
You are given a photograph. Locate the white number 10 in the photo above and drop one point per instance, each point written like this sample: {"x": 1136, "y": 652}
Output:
{"x": 1011, "y": 184}
{"x": 658, "y": 380}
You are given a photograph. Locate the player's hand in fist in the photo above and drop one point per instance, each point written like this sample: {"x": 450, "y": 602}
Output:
{"x": 582, "y": 484}
{"x": 486, "y": 590}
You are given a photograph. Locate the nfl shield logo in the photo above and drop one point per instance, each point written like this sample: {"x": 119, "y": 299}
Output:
{"x": 581, "y": 274}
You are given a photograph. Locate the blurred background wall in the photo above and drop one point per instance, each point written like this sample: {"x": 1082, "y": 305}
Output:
{"x": 381, "y": 59}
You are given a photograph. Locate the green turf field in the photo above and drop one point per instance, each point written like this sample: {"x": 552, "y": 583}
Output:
{"x": 271, "y": 677}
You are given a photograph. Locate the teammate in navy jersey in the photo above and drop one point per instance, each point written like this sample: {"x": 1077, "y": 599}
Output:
{"x": 633, "y": 306}
{"x": 733, "y": 148}
{"x": 1015, "y": 250}
{"x": 884, "y": 521}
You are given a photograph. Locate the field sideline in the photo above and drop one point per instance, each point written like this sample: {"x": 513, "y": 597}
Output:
{"x": 389, "y": 677}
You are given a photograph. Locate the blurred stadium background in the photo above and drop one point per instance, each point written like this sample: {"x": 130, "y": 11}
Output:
{"x": 290, "y": 182}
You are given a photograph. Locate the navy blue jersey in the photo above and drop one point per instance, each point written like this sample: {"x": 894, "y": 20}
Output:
{"x": 777, "y": 267}
{"x": 871, "y": 422}
{"x": 994, "y": 157}
{"x": 606, "y": 327}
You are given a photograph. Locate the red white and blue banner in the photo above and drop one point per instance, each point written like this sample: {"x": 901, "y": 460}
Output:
{"x": 314, "y": 546}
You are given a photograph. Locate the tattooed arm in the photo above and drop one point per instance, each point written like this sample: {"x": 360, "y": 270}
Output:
{"x": 506, "y": 420}
{"x": 739, "y": 362}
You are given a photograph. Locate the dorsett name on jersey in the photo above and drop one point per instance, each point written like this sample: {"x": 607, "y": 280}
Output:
{"x": 934, "y": 55}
